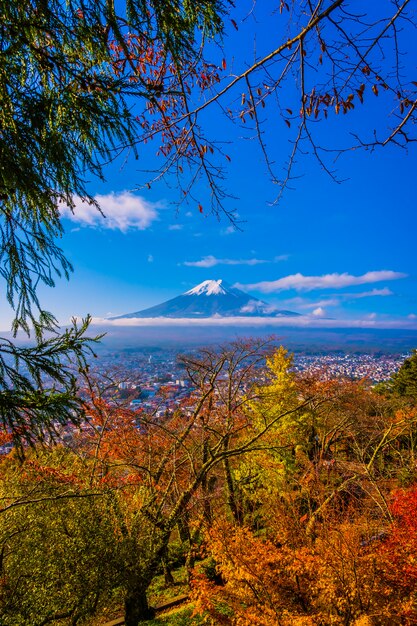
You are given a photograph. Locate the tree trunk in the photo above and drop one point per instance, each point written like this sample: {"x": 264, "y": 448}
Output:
{"x": 233, "y": 498}
{"x": 138, "y": 579}
{"x": 137, "y": 608}
{"x": 168, "y": 577}
{"x": 189, "y": 564}
{"x": 184, "y": 529}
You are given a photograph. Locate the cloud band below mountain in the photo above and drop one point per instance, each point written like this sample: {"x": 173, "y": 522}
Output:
{"x": 305, "y": 321}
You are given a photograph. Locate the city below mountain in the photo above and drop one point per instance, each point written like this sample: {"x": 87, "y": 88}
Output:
{"x": 211, "y": 298}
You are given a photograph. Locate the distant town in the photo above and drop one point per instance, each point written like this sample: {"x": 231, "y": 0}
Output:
{"x": 154, "y": 381}
{"x": 140, "y": 375}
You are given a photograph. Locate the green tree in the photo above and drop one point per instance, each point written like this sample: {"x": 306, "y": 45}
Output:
{"x": 58, "y": 544}
{"x": 404, "y": 382}
{"x": 67, "y": 72}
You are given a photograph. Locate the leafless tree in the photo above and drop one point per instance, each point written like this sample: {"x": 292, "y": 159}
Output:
{"x": 332, "y": 57}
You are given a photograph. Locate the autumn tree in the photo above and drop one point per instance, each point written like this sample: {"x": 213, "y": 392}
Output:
{"x": 397, "y": 562}
{"x": 284, "y": 480}
{"x": 310, "y": 546}
{"x": 330, "y": 64}
{"x": 179, "y": 468}
{"x": 269, "y": 577}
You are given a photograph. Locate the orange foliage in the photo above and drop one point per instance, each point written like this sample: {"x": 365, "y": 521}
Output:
{"x": 265, "y": 583}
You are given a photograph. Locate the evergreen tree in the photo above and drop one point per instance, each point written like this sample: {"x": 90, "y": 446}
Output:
{"x": 404, "y": 382}
{"x": 66, "y": 76}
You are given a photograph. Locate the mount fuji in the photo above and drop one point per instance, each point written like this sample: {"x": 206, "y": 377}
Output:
{"x": 211, "y": 298}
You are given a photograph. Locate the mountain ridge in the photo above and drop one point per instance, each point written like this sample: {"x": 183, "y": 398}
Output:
{"x": 211, "y": 298}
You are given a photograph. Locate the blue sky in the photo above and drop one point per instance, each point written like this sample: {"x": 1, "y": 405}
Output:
{"x": 360, "y": 232}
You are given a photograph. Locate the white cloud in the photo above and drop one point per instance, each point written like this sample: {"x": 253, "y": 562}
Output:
{"x": 150, "y": 258}
{"x": 319, "y": 312}
{"x": 230, "y": 230}
{"x": 369, "y": 294}
{"x": 175, "y": 227}
{"x": 312, "y": 305}
{"x": 212, "y": 261}
{"x": 299, "y": 282}
{"x": 252, "y": 306}
{"x": 303, "y": 303}
{"x": 120, "y": 211}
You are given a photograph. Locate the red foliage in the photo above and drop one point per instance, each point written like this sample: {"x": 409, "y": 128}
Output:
{"x": 401, "y": 545}
{"x": 397, "y": 561}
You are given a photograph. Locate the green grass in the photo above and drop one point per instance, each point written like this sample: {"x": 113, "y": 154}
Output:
{"x": 181, "y": 616}
{"x": 159, "y": 593}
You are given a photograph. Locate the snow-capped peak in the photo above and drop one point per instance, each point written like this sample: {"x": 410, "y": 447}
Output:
{"x": 225, "y": 301}
{"x": 207, "y": 288}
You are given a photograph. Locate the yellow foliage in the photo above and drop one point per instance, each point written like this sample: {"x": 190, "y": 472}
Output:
{"x": 364, "y": 620}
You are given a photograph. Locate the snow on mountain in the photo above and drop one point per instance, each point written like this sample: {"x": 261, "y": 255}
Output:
{"x": 211, "y": 298}
{"x": 211, "y": 288}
